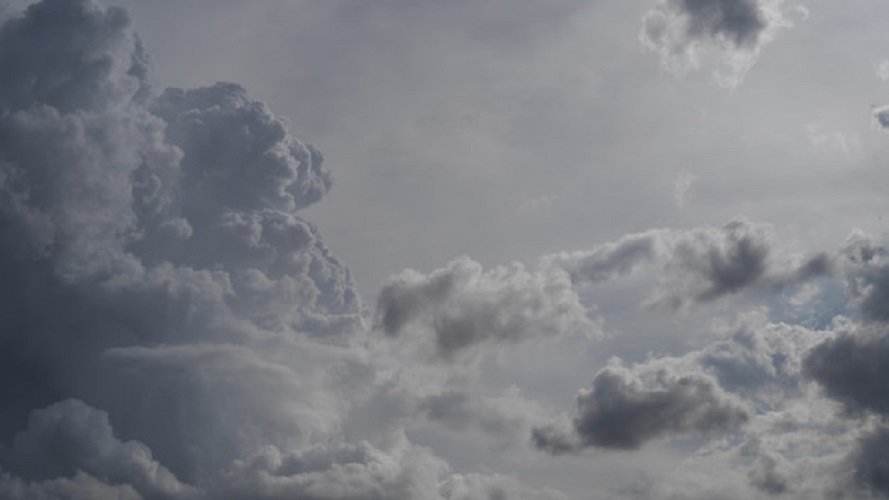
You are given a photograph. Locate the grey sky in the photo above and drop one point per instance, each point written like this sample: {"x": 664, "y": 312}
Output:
{"x": 414, "y": 249}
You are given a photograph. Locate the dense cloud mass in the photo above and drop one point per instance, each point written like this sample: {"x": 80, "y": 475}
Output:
{"x": 173, "y": 327}
{"x": 166, "y": 312}
{"x": 682, "y": 31}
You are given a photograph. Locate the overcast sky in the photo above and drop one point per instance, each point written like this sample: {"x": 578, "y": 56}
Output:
{"x": 444, "y": 250}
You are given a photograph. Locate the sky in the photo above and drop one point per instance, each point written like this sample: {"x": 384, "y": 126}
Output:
{"x": 464, "y": 250}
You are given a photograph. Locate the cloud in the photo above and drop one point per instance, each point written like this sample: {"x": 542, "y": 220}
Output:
{"x": 362, "y": 471}
{"x": 852, "y": 368}
{"x": 744, "y": 393}
{"x": 507, "y": 419}
{"x": 463, "y": 305}
{"x": 173, "y": 327}
{"x": 881, "y": 116}
{"x": 681, "y": 31}
{"x": 609, "y": 260}
{"x": 866, "y": 267}
{"x": 69, "y": 437}
{"x": 69, "y": 55}
{"x": 154, "y": 263}
{"x": 872, "y": 463}
{"x": 699, "y": 265}
{"x": 760, "y": 360}
{"x": 81, "y": 485}
{"x": 237, "y": 154}
{"x": 626, "y": 407}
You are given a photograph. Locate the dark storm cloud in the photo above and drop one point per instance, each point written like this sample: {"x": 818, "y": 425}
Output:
{"x": 463, "y": 305}
{"x": 679, "y": 29}
{"x": 625, "y": 408}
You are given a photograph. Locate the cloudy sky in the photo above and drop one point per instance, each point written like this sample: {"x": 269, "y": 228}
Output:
{"x": 444, "y": 250}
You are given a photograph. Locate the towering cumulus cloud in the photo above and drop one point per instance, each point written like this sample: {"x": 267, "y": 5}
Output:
{"x": 170, "y": 327}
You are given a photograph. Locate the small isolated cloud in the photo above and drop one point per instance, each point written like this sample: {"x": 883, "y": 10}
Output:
{"x": 881, "y": 69}
{"x": 881, "y": 116}
{"x": 681, "y": 185}
{"x": 684, "y": 31}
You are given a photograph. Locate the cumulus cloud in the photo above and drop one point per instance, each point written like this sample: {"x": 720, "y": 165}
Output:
{"x": 682, "y": 31}
{"x": 162, "y": 233}
{"x": 463, "y": 305}
{"x": 69, "y": 437}
{"x": 171, "y": 326}
{"x": 628, "y": 406}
